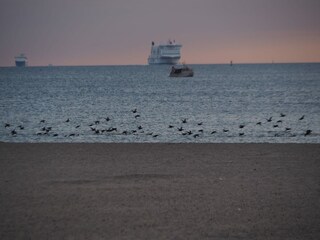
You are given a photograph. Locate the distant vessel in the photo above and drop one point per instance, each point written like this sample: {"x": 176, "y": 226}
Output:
{"x": 21, "y": 60}
{"x": 165, "y": 53}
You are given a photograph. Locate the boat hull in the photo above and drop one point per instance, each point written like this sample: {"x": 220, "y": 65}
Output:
{"x": 168, "y": 61}
{"x": 184, "y": 72}
{"x": 20, "y": 64}
{"x": 21, "y": 60}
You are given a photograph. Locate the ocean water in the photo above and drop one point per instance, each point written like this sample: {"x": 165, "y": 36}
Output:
{"x": 219, "y": 104}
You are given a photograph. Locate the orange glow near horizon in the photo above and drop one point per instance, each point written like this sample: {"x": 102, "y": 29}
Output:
{"x": 250, "y": 52}
{"x": 255, "y": 53}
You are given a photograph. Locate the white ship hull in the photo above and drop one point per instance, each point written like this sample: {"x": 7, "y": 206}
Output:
{"x": 165, "y": 53}
{"x": 171, "y": 61}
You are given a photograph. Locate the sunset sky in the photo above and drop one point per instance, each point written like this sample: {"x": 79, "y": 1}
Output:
{"x": 120, "y": 32}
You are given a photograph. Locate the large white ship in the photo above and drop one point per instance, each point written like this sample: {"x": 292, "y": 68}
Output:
{"x": 165, "y": 53}
{"x": 21, "y": 60}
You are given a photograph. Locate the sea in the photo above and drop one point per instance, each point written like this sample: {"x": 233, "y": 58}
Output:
{"x": 243, "y": 103}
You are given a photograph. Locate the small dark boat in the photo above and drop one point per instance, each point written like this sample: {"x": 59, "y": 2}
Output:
{"x": 181, "y": 71}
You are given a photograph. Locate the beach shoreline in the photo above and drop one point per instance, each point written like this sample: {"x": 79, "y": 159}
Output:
{"x": 159, "y": 191}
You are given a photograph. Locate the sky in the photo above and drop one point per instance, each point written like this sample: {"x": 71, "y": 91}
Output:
{"x": 120, "y": 32}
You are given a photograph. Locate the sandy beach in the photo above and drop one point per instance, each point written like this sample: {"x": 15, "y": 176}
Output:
{"x": 159, "y": 191}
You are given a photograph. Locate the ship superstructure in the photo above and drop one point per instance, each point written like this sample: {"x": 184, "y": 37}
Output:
{"x": 165, "y": 53}
{"x": 21, "y": 60}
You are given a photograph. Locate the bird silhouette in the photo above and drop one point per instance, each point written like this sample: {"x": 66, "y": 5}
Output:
{"x": 301, "y": 118}
{"x": 114, "y": 129}
{"x": 308, "y": 132}
{"x": 7, "y": 125}
{"x": 282, "y": 115}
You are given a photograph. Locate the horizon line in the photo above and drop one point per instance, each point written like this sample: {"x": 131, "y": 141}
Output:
{"x": 105, "y": 65}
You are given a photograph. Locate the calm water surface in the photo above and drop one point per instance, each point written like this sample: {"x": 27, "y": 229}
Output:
{"x": 96, "y": 104}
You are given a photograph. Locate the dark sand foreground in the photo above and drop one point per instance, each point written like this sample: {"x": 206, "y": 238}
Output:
{"x": 159, "y": 191}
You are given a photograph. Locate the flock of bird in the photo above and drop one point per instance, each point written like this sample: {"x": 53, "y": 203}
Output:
{"x": 241, "y": 128}
{"x": 103, "y": 126}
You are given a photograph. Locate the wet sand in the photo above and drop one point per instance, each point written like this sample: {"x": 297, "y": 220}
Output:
{"x": 159, "y": 191}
